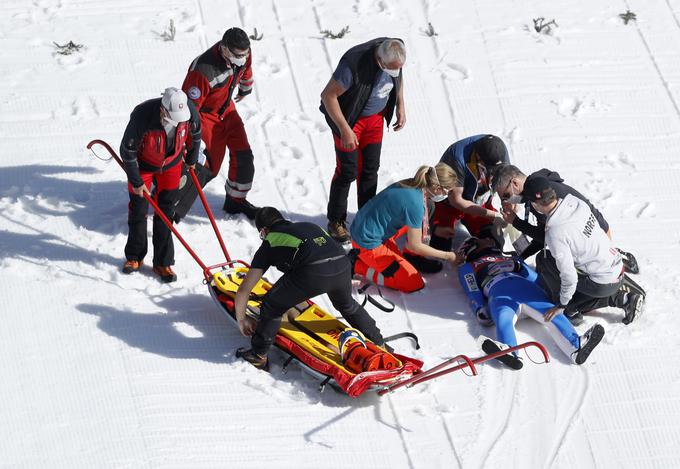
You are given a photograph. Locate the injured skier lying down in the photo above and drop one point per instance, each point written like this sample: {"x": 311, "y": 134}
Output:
{"x": 502, "y": 289}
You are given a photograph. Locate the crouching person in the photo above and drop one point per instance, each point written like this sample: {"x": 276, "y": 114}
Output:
{"x": 313, "y": 264}
{"x": 398, "y": 209}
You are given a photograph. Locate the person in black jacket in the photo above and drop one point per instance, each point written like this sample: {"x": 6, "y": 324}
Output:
{"x": 313, "y": 264}
{"x": 154, "y": 144}
{"x": 509, "y": 183}
{"x": 366, "y": 88}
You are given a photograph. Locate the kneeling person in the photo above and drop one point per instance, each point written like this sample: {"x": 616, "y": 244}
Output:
{"x": 313, "y": 264}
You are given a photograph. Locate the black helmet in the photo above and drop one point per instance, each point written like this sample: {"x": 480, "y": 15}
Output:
{"x": 491, "y": 150}
{"x": 235, "y": 38}
{"x": 265, "y": 217}
{"x": 469, "y": 246}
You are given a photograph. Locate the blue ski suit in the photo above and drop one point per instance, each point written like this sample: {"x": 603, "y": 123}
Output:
{"x": 507, "y": 287}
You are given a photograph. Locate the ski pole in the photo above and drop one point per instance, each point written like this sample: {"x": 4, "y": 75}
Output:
{"x": 208, "y": 211}
{"x": 152, "y": 202}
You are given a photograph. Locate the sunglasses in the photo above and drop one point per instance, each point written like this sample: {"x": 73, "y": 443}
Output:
{"x": 226, "y": 49}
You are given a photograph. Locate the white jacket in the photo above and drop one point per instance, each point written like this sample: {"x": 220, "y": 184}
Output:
{"x": 576, "y": 241}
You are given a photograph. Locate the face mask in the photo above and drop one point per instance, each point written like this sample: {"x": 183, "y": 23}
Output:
{"x": 438, "y": 198}
{"x": 394, "y": 73}
{"x": 263, "y": 234}
{"x": 238, "y": 61}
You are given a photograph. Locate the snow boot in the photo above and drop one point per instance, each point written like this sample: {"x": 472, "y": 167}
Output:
{"x": 258, "y": 361}
{"x": 490, "y": 346}
{"x": 588, "y": 342}
{"x": 234, "y": 206}
{"x": 423, "y": 264}
{"x": 338, "y": 231}
{"x": 166, "y": 274}
{"x": 131, "y": 266}
{"x": 632, "y": 307}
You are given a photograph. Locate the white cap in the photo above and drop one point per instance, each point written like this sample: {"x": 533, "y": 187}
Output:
{"x": 175, "y": 102}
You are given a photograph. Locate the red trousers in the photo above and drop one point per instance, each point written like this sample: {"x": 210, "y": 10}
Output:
{"x": 385, "y": 265}
{"x": 167, "y": 184}
{"x": 218, "y": 135}
{"x": 360, "y": 164}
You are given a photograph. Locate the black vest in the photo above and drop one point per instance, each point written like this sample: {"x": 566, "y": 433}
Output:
{"x": 361, "y": 60}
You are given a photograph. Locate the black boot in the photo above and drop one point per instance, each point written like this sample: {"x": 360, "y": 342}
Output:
{"x": 490, "y": 346}
{"x": 233, "y": 206}
{"x": 588, "y": 342}
{"x": 258, "y": 361}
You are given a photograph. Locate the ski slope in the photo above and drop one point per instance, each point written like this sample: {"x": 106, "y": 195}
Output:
{"x": 100, "y": 369}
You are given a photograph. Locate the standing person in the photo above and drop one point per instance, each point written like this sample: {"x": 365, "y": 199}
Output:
{"x": 210, "y": 83}
{"x": 312, "y": 264}
{"x": 473, "y": 159}
{"x": 398, "y": 209}
{"x": 153, "y": 146}
{"x": 509, "y": 182}
{"x": 365, "y": 90}
{"x": 584, "y": 272}
{"x": 502, "y": 289}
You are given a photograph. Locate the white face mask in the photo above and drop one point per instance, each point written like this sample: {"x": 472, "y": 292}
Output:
{"x": 394, "y": 73}
{"x": 438, "y": 198}
{"x": 167, "y": 122}
{"x": 238, "y": 61}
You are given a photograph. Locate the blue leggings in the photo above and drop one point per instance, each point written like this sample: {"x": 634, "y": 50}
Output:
{"x": 513, "y": 296}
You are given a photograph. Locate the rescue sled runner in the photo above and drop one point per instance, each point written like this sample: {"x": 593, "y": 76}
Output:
{"x": 308, "y": 334}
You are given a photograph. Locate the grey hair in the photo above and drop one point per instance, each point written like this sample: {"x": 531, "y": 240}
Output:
{"x": 392, "y": 50}
{"x": 502, "y": 175}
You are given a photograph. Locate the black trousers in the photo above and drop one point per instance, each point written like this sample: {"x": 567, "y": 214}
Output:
{"x": 589, "y": 294}
{"x": 346, "y": 171}
{"x": 137, "y": 243}
{"x": 294, "y": 287}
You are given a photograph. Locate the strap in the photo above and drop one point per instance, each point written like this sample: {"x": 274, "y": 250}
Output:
{"x": 401, "y": 335}
{"x": 373, "y": 301}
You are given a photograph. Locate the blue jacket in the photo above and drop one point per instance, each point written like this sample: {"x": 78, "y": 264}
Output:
{"x": 459, "y": 157}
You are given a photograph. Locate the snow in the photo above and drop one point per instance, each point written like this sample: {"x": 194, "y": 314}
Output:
{"x": 100, "y": 369}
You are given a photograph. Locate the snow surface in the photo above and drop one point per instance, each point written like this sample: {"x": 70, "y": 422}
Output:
{"x": 99, "y": 369}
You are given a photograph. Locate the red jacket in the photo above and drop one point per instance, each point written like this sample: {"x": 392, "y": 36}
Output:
{"x": 210, "y": 81}
{"x": 144, "y": 146}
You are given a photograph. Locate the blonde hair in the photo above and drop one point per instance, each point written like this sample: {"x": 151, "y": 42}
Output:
{"x": 429, "y": 176}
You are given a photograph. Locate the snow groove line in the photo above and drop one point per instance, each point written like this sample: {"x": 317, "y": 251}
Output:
{"x": 493, "y": 75}
{"x": 297, "y": 94}
{"x": 201, "y": 16}
{"x": 404, "y": 443}
{"x": 447, "y": 430}
{"x": 506, "y": 422}
{"x": 656, "y": 65}
{"x": 570, "y": 422}
{"x": 323, "y": 41}
{"x": 426, "y": 13}
{"x": 675, "y": 17}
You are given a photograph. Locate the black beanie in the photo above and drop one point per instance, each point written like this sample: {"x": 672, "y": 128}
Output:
{"x": 491, "y": 150}
{"x": 265, "y": 217}
{"x": 236, "y": 38}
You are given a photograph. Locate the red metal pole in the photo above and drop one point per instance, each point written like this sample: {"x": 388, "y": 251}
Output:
{"x": 209, "y": 212}
{"x": 155, "y": 206}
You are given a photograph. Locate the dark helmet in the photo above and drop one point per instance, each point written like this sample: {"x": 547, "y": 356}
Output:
{"x": 469, "y": 246}
{"x": 236, "y": 38}
{"x": 491, "y": 150}
{"x": 265, "y": 217}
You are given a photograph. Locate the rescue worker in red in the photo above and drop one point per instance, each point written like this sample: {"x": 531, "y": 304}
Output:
{"x": 365, "y": 89}
{"x": 161, "y": 133}
{"x": 210, "y": 84}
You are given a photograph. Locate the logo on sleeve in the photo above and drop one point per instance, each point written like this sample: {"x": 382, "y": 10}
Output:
{"x": 471, "y": 282}
{"x": 194, "y": 92}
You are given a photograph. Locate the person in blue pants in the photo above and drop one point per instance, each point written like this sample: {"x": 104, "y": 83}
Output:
{"x": 501, "y": 289}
